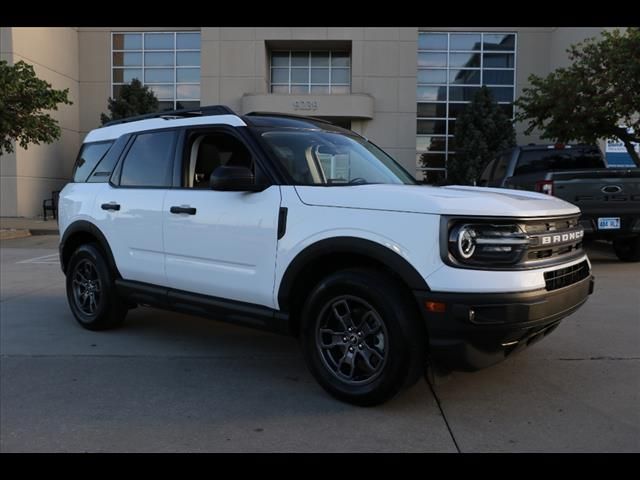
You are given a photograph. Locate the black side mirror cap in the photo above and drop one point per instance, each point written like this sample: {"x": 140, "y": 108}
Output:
{"x": 234, "y": 179}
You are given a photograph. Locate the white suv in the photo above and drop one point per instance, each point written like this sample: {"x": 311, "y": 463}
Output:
{"x": 297, "y": 226}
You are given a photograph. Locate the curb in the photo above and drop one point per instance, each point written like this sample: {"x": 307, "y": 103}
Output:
{"x": 42, "y": 231}
{"x": 12, "y": 233}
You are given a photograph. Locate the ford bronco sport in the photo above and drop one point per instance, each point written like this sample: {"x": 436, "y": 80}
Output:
{"x": 297, "y": 226}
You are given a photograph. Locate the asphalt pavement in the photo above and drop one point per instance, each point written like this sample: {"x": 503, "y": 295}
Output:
{"x": 167, "y": 382}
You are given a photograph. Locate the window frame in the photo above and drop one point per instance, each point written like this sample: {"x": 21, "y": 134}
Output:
{"x": 143, "y": 68}
{"x": 102, "y": 157}
{"x": 481, "y": 69}
{"x": 309, "y": 68}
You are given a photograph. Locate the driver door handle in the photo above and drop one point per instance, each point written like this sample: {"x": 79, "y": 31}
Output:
{"x": 187, "y": 210}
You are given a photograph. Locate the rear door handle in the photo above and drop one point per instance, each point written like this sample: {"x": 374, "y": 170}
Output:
{"x": 187, "y": 210}
{"x": 110, "y": 206}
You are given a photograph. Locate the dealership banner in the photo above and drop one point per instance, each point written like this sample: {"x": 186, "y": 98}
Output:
{"x": 616, "y": 153}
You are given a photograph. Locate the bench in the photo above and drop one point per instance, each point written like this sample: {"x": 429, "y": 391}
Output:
{"x": 51, "y": 204}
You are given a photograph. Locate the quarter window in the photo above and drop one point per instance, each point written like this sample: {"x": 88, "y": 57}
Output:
{"x": 90, "y": 155}
{"x": 168, "y": 62}
{"x": 149, "y": 160}
{"x": 452, "y": 66}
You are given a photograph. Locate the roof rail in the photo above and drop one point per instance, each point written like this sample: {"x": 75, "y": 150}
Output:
{"x": 184, "y": 112}
{"x": 287, "y": 115}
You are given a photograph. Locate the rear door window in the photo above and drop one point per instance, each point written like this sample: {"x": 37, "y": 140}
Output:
{"x": 90, "y": 155}
{"x": 533, "y": 161}
{"x": 149, "y": 161}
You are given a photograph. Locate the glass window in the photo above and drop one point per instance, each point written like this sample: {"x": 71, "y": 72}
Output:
{"x": 498, "y": 60}
{"x": 158, "y": 41}
{"x": 160, "y": 75}
{"x": 340, "y": 75}
{"x": 432, "y": 76}
{"x": 464, "y": 77}
{"x": 315, "y": 71}
{"x": 431, "y": 93}
{"x": 127, "y": 41}
{"x": 465, "y": 60}
{"x": 432, "y": 127}
{"x": 188, "y": 91}
{"x": 163, "y": 92}
{"x": 498, "y": 77}
{"x": 340, "y": 59}
{"x": 504, "y": 42}
{"x": 431, "y": 160}
{"x": 502, "y": 94}
{"x": 452, "y": 66}
{"x": 125, "y": 75}
{"x": 319, "y": 75}
{"x": 432, "y": 144}
{"x": 319, "y": 59}
{"x": 126, "y": 59}
{"x": 299, "y": 75}
{"x": 188, "y": 41}
{"x": 188, "y": 59}
{"x": 465, "y": 41}
{"x": 148, "y": 162}
{"x": 432, "y": 59}
{"x": 158, "y": 59}
{"x": 532, "y": 161}
{"x": 340, "y": 89}
{"x": 191, "y": 75}
{"x": 501, "y": 166}
{"x": 163, "y": 61}
{"x": 300, "y": 59}
{"x": 90, "y": 155}
{"x": 462, "y": 94}
{"x": 432, "y": 41}
{"x": 432, "y": 110}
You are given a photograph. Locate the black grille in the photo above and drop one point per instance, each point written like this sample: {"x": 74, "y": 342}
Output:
{"x": 566, "y": 276}
{"x": 538, "y": 251}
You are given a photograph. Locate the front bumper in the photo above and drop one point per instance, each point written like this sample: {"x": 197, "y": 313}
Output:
{"x": 476, "y": 330}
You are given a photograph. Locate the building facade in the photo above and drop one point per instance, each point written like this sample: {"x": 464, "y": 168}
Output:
{"x": 399, "y": 87}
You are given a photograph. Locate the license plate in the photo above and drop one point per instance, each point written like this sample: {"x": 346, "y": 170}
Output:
{"x": 608, "y": 223}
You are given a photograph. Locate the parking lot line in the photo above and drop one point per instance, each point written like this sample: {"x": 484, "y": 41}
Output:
{"x": 52, "y": 259}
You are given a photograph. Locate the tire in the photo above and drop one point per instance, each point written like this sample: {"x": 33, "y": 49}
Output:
{"x": 627, "y": 248}
{"x": 388, "y": 355}
{"x": 91, "y": 291}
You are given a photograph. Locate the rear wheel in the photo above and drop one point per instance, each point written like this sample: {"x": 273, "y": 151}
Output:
{"x": 627, "y": 248}
{"x": 91, "y": 291}
{"x": 360, "y": 337}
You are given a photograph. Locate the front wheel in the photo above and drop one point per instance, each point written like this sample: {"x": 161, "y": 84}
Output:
{"x": 361, "y": 338}
{"x": 627, "y": 248}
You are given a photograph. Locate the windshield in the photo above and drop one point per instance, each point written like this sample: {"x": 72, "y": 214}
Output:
{"x": 327, "y": 158}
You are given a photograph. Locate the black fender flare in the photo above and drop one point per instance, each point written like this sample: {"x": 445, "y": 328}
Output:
{"x": 83, "y": 226}
{"x": 353, "y": 245}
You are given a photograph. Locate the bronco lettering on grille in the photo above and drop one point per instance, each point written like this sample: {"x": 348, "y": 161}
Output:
{"x": 562, "y": 238}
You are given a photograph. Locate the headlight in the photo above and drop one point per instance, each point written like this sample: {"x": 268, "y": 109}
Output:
{"x": 486, "y": 243}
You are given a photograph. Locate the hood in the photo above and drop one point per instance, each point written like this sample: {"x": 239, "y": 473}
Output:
{"x": 450, "y": 200}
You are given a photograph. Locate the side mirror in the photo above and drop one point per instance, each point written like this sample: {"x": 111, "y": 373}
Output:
{"x": 234, "y": 179}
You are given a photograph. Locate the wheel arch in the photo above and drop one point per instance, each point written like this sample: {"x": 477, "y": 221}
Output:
{"x": 79, "y": 233}
{"x": 325, "y": 256}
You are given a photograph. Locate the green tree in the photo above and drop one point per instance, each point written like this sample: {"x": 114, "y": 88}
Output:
{"x": 482, "y": 130}
{"x": 134, "y": 99}
{"x": 594, "y": 97}
{"x": 24, "y": 100}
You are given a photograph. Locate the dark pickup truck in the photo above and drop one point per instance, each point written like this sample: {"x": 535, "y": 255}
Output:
{"x": 609, "y": 198}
